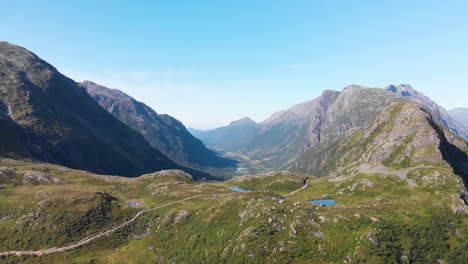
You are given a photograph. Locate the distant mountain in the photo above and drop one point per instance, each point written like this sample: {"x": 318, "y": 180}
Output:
{"x": 286, "y": 135}
{"x": 237, "y": 135}
{"x": 405, "y": 135}
{"x": 195, "y": 132}
{"x": 460, "y": 115}
{"x": 163, "y": 132}
{"x": 49, "y": 117}
{"x": 440, "y": 114}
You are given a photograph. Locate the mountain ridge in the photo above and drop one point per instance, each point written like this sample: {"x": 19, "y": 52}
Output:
{"x": 62, "y": 124}
{"x": 162, "y": 131}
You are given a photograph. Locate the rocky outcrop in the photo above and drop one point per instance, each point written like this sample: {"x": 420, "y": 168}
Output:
{"x": 39, "y": 178}
{"x": 439, "y": 113}
{"x": 404, "y": 135}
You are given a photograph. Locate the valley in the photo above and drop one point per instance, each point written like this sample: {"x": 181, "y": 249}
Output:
{"x": 209, "y": 222}
{"x": 88, "y": 174}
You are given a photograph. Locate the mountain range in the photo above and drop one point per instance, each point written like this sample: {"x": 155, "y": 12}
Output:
{"x": 162, "y": 131}
{"x": 284, "y": 139}
{"x": 49, "y": 117}
{"x": 362, "y": 175}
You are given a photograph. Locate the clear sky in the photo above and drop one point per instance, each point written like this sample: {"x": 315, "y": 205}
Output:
{"x": 210, "y": 62}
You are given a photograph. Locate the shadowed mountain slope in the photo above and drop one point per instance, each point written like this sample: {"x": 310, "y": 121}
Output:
{"x": 163, "y": 132}
{"x": 53, "y": 119}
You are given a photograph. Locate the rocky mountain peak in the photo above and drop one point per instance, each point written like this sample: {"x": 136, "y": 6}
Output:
{"x": 243, "y": 121}
{"x": 401, "y": 89}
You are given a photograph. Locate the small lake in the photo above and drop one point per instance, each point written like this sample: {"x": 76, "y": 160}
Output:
{"x": 326, "y": 202}
{"x": 240, "y": 189}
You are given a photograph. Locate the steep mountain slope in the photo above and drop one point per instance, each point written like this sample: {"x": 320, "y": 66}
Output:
{"x": 163, "y": 132}
{"x": 14, "y": 140}
{"x": 460, "y": 115}
{"x": 234, "y": 137}
{"x": 284, "y": 137}
{"x": 440, "y": 114}
{"x": 406, "y": 135}
{"x": 55, "y": 120}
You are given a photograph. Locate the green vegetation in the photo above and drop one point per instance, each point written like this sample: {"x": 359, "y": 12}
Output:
{"x": 379, "y": 218}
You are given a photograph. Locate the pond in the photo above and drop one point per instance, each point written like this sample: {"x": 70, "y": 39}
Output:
{"x": 326, "y": 202}
{"x": 240, "y": 189}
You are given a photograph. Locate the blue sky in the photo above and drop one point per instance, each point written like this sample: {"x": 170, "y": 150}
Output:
{"x": 210, "y": 62}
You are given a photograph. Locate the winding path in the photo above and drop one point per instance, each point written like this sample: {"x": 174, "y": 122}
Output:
{"x": 303, "y": 187}
{"x": 87, "y": 240}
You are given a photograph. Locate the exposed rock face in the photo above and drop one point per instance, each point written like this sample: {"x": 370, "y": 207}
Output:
{"x": 286, "y": 135}
{"x": 404, "y": 135}
{"x": 320, "y": 124}
{"x": 460, "y": 115}
{"x": 50, "y": 118}
{"x": 355, "y": 107}
{"x": 439, "y": 113}
{"x": 163, "y": 132}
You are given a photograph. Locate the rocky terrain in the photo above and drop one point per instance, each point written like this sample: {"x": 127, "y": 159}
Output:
{"x": 48, "y": 117}
{"x": 282, "y": 140}
{"x": 163, "y": 132}
{"x": 405, "y": 135}
{"x": 439, "y": 113}
{"x": 379, "y": 217}
{"x": 286, "y": 135}
{"x": 368, "y": 175}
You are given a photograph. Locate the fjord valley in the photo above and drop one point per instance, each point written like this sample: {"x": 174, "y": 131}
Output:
{"x": 89, "y": 174}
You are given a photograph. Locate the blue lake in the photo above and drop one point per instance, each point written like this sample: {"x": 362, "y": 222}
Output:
{"x": 326, "y": 202}
{"x": 240, "y": 189}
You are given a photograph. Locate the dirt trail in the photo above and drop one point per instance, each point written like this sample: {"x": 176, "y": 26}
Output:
{"x": 87, "y": 240}
{"x": 303, "y": 187}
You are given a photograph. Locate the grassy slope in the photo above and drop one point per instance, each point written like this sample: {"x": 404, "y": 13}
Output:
{"x": 416, "y": 222}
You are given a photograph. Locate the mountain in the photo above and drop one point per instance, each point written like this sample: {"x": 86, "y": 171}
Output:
{"x": 372, "y": 213}
{"x": 460, "y": 115}
{"x": 52, "y": 119}
{"x": 163, "y": 132}
{"x": 440, "y": 113}
{"x": 237, "y": 135}
{"x": 405, "y": 135}
{"x": 286, "y": 135}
